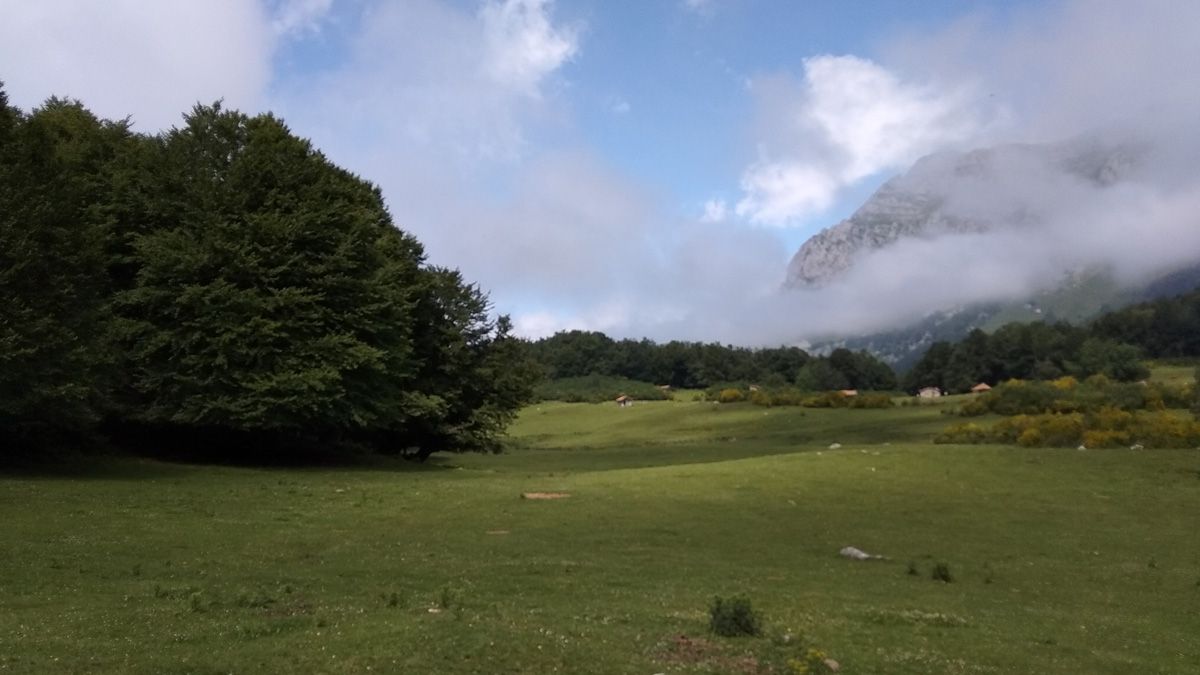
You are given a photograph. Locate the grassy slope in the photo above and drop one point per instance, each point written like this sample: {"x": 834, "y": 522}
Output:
{"x": 1092, "y": 557}
{"x": 1176, "y": 373}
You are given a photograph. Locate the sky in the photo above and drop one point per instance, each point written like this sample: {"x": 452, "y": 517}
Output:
{"x": 649, "y": 167}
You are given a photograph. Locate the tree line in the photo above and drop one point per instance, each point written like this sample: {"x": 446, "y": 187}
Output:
{"x": 224, "y": 284}
{"x": 1163, "y": 328}
{"x": 1112, "y": 345}
{"x": 696, "y": 365}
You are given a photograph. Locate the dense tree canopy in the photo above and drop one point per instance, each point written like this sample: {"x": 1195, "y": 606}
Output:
{"x": 54, "y": 165}
{"x": 1165, "y": 328}
{"x": 696, "y": 365}
{"x": 689, "y": 365}
{"x": 1035, "y": 351}
{"x": 226, "y": 277}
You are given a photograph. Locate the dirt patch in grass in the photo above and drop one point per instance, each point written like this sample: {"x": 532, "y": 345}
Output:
{"x": 681, "y": 650}
{"x": 545, "y": 495}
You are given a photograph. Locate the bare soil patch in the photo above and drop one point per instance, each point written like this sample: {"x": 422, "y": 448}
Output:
{"x": 681, "y": 650}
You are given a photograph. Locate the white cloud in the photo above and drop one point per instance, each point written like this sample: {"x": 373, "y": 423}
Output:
{"x": 875, "y": 121}
{"x": 300, "y": 17}
{"x": 446, "y": 110}
{"x": 849, "y": 119}
{"x": 605, "y": 317}
{"x": 523, "y": 46}
{"x": 701, "y": 7}
{"x": 150, "y": 60}
{"x": 779, "y": 191}
{"x": 715, "y": 211}
{"x": 621, "y": 107}
{"x": 436, "y": 87}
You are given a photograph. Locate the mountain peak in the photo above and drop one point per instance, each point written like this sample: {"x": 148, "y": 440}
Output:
{"x": 957, "y": 193}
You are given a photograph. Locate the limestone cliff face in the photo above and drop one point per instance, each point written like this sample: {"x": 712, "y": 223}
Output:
{"x": 951, "y": 193}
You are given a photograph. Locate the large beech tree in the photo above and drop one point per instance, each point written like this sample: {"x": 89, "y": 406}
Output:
{"x": 54, "y": 168}
{"x": 225, "y": 280}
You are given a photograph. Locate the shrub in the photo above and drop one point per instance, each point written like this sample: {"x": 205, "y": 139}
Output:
{"x": 871, "y": 401}
{"x": 1031, "y": 398}
{"x": 829, "y": 399}
{"x": 733, "y": 617}
{"x": 1009, "y": 430}
{"x": 1178, "y": 396}
{"x": 445, "y": 597}
{"x": 812, "y": 662}
{"x": 969, "y": 433}
{"x": 1066, "y": 383}
{"x": 760, "y": 397}
{"x": 1030, "y": 438}
{"x": 1106, "y": 439}
{"x": 731, "y": 396}
{"x": 975, "y": 407}
{"x": 1109, "y": 418}
{"x": 1165, "y": 430}
{"x": 1106, "y": 427}
{"x": 1017, "y": 397}
{"x": 1060, "y": 430}
{"x": 941, "y": 572}
{"x": 787, "y": 396}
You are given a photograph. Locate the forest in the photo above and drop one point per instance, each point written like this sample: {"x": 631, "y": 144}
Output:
{"x": 1112, "y": 345}
{"x": 697, "y": 365}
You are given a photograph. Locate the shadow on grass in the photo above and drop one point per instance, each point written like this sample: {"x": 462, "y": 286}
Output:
{"x": 141, "y": 453}
{"x": 134, "y": 466}
{"x": 582, "y": 459}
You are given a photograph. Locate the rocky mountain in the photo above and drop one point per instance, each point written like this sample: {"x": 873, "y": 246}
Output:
{"x": 933, "y": 199}
{"x": 983, "y": 190}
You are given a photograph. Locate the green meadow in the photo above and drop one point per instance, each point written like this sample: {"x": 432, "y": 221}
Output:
{"x": 1062, "y": 561}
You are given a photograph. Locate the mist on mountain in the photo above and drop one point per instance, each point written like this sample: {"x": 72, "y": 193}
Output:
{"x": 1091, "y": 171}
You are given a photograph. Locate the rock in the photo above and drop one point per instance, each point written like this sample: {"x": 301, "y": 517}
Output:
{"x": 1081, "y": 448}
{"x": 835, "y": 446}
{"x": 832, "y": 665}
{"x": 858, "y": 554}
{"x": 1137, "y": 446}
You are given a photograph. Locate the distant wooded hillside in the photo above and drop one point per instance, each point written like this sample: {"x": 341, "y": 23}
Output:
{"x": 1112, "y": 345}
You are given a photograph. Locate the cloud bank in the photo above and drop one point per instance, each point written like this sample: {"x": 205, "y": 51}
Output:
{"x": 1119, "y": 194}
{"x": 849, "y": 118}
{"x": 151, "y": 61}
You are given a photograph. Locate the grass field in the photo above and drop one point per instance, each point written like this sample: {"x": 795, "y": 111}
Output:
{"x": 1063, "y": 561}
{"x": 1176, "y": 372}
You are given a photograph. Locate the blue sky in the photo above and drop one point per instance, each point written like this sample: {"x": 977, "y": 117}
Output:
{"x": 639, "y": 167}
